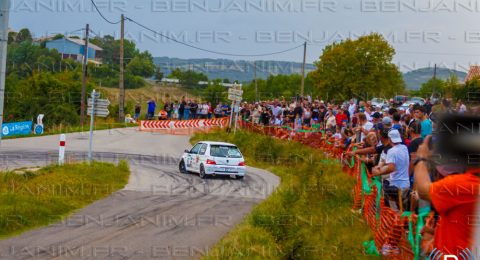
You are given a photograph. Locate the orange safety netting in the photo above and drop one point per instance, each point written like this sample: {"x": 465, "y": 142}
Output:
{"x": 388, "y": 226}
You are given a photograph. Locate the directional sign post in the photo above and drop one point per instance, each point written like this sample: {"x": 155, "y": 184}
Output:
{"x": 101, "y": 107}
{"x": 96, "y": 107}
{"x": 235, "y": 94}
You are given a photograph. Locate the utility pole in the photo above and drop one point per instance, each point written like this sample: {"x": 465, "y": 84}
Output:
{"x": 255, "y": 78}
{"x": 4, "y": 9}
{"x": 84, "y": 79}
{"x": 121, "y": 104}
{"x": 303, "y": 68}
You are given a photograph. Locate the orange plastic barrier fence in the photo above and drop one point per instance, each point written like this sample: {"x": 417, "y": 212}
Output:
{"x": 388, "y": 226}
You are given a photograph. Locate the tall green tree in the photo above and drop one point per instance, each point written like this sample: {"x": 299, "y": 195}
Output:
{"x": 358, "y": 67}
{"x": 140, "y": 66}
{"x": 433, "y": 85}
{"x": 451, "y": 85}
{"x": 23, "y": 35}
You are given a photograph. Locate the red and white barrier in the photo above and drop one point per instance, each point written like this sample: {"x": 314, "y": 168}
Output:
{"x": 151, "y": 125}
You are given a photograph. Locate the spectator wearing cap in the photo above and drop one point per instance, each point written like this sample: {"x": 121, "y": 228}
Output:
{"x": 376, "y": 120}
{"x": 396, "y": 165}
{"x": 387, "y": 122}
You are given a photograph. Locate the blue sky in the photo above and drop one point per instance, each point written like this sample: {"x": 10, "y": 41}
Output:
{"x": 423, "y": 32}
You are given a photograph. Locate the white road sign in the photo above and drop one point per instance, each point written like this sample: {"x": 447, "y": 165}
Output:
{"x": 235, "y": 94}
{"x": 100, "y": 112}
{"x": 99, "y": 102}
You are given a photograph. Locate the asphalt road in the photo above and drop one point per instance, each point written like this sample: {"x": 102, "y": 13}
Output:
{"x": 160, "y": 214}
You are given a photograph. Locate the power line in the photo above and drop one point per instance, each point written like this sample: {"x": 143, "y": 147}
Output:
{"x": 96, "y": 34}
{"x": 82, "y": 29}
{"x": 211, "y": 51}
{"x": 100, "y": 13}
{"x": 439, "y": 53}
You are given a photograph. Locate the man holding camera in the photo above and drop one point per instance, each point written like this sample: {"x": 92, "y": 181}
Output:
{"x": 454, "y": 197}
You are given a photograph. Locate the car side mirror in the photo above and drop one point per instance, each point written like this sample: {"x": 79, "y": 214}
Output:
{"x": 187, "y": 151}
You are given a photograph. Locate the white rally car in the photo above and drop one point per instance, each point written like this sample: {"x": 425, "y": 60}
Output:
{"x": 213, "y": 158}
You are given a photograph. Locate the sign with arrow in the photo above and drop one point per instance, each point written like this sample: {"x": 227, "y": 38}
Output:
{"x": 101, "y": 107}
{"x": 235, "y": 94}
{"x": 100, "y": 112}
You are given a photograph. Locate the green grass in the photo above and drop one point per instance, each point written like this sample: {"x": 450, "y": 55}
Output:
{"x": 35, "y": 199}
{"x": 307, "y": 217}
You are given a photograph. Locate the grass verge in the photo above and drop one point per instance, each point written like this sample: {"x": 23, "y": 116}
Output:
{"x": 35, "y": 199}
{"x": 308, "y": 217}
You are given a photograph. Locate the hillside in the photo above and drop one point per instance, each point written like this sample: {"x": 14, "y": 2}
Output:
{"x": 415, "y": 78}
{"x": 240, "y": 70}
{"x": 243, "y": 71}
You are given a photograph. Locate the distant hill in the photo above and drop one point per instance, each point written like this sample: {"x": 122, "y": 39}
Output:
{"x": 240, "y": 70}
{"x": 415, "y": 78}
{"x": 243, "y": 71}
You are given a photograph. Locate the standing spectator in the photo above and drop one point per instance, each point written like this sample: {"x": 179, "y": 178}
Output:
{"x": 428, "y": 106}
{"x": 276, "y": 110}
{"x": 138, "y": 109}
{"x": 364, "y": 126}
{"x": 330, "y": 120}
{"x": 225, "y": 109}
{"x": 396, "y": 164}
{"x": 193, "y": 110}
{"x": 298, "y": 111}
{"x": 256, "y": 114}
{"x": 151, "y": 109}
{"x": 218, "y": 111}
{"x": 307, "y": 117}
{"x": 175, "y": 110}
{"x": 181, "y": 109}
{"x": 340, "y": 117}
{"x": 462, "y": 109}
{"x": 210, "y": 110}
{"x": 351, "y": 108}
{"x": 168, "y": 108}
{"x": 426, "y": 124}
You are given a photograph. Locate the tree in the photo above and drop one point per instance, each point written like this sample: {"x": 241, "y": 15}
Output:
{"x": 158, "y": 74}
{"x": 23, "y": 35}
{"x": 111, "y": 49}
{"x": 215, "y": 93}
{"x": 358, "y": 68}
{"x": 141, "y": 66}
{"x": 175, "y": 74}
{"x": 433, "y": 85}
{"x": 470, "y": 92}
{"x": 451, "y": 85}
{"x": 188, "y": 78}
{"x": 12, "y": 37}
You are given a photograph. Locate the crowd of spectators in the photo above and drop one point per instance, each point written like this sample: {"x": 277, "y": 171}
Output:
{"x": 395, "y": 145}
{"x": 185, "y": 109}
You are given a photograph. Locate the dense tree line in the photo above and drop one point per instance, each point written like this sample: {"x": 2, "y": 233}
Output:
{"x": 450, "y": 88}
{"x": 38, "y": 80}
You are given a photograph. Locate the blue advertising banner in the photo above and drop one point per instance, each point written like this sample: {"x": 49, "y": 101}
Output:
{"x": 17, "y": 128}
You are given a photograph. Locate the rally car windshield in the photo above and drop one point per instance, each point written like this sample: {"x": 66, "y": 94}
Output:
{"x": 225, "y": 151}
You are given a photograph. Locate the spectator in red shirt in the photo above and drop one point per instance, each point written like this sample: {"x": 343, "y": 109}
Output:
{"x": 340, "y": 117}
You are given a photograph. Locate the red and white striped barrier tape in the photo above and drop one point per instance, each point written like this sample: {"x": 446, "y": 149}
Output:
{"x": 182, "y": 124}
